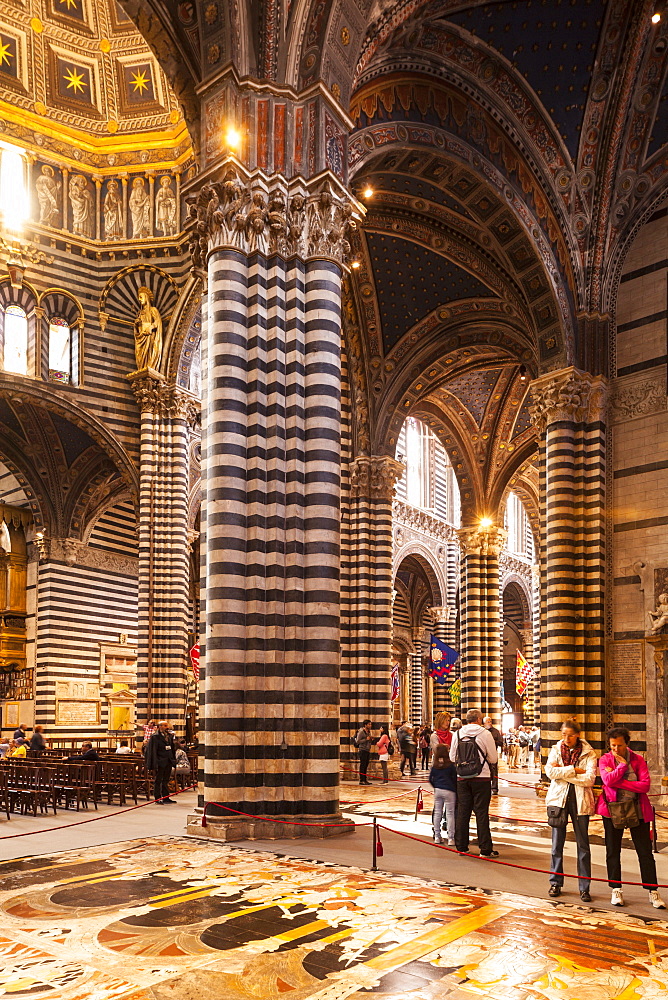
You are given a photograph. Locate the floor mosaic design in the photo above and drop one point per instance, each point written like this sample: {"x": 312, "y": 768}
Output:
{"x": 172, "y": 919}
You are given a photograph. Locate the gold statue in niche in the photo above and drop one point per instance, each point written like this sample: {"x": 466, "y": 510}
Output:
{"x": 148, "y": 332}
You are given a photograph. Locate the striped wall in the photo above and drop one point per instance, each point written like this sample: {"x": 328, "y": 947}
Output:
{"x": 639, "y": 485}
{"x": 271, "y": 492}
{"x": 79, "y": 608}
{"x": 116, "y": 531}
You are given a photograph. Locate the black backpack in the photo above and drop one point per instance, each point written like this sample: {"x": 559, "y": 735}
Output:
{"x": 470, "y": 758}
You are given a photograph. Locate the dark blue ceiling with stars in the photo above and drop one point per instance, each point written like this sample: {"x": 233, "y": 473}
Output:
{"x": 474, "y": 390}
{"x": 411, "y": 281}
{"x": 417, "y": 187}
{"x": 553, "y": 45}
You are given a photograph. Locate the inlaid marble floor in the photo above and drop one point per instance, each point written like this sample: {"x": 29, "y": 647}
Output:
{"x": 173, "y": 919}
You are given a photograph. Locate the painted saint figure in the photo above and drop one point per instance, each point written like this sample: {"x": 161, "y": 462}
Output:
{"x": 165, "y": 208}
{"x": 83, "y": 208}
{"x": 140, "y": 208}
{"x": 148, "y": 332}
{"x": 113, "y": 212}
{"x": 47, "y": 188}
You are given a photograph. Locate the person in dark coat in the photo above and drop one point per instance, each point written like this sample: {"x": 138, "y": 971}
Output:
{"x": 37, "y": 741}
{"x": 87, "y": 754}
{"x": 161, "y": 758}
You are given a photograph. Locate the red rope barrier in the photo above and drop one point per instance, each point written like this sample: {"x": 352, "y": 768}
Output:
{"x": 505, "y": 864}
{"x": 93, "y": 819}
{"x": 270, "y": 819}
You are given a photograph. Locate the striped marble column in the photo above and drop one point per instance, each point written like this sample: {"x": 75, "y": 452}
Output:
{"x": 163, "y": 612}
{"x": 480, "y": 610}
{"x": 366, "y": 594}
{"x": 569, "y": 409}
{"x": 535, "y": 623}
{"x": 417, "y": 678}
{"x": 271, "y": 442}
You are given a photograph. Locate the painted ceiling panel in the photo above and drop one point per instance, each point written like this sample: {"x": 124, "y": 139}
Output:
{"x": 412, "y": 281}
{"x": 474, "y": 391}
{"x": 659, "y": 134}
{"x": 416, "y": 187}
{"x": 523, "y": 421}
{"x": 553, "y": 45}
{"x": 73, "y": 440}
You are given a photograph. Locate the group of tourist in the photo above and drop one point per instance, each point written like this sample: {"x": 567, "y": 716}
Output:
{"x": 464, "y": 771}
{"x": 163, "y": 753}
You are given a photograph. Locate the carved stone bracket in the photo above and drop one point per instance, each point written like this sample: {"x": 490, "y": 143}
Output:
{"x": 74, "y": 552}
{"x": 422, "y": 520}
{"x": 569, "y": 395}
{"x": 375, "y": 477}
{"x": 271, "y": 215}
{"x": 155, "y": 395}
{"x": 482, "y": 541}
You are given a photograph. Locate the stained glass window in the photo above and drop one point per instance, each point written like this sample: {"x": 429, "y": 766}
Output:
{"x": 60, "y": 351}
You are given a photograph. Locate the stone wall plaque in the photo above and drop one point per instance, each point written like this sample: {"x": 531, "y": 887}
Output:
{"x": 75, "y": 713}
{"x": 626, "y": 671}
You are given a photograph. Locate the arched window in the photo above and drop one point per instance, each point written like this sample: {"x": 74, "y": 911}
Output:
{"x": 15, "y": 341}
{"x": 60, "y": 350}
{"x": 13, "y": 189}
{"x": 520, "y": 536}
{"x": 429, "y": 481}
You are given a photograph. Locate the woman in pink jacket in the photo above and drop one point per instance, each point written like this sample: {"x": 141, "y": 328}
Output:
{"x": 626, "y": 776}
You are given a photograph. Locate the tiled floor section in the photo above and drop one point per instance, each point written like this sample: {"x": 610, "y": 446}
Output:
{"x": 169, "y": 919}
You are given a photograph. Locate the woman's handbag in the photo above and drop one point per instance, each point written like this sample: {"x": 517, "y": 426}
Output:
{"x": 557, "y": 816}
{"x": 624, "y": 814}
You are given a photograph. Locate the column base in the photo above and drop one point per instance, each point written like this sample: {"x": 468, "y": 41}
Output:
{"x": 226, "y": 829}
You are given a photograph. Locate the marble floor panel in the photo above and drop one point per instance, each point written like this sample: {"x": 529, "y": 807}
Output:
{"x": 169, "y": 919}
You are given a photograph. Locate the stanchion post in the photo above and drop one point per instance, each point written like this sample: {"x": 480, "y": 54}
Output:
{"x": 654, "y": 844}
{"x": 417, "y": 802}
{"x": 374, "y": 865}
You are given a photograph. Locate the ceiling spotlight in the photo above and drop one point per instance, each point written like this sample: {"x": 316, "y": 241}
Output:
{"x": 233, "y": 138}
{"x": 368, "y": 192}
{"x": 656, "y": 18}
{"x": 355, "y": 264}
{"x": 523, "y": 373}
{"x": 486, "y": 522}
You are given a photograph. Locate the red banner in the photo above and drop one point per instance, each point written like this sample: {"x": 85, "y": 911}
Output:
{"x": 194, "y": 661}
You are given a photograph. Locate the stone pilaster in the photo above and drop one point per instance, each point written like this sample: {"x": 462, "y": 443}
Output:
{"x": 366, "y": 592}
{"x": 480, "y": 624}
{"x": 166, "y": 413}
{"x": 274, "y": 250}
{"x": 569, "y": 412}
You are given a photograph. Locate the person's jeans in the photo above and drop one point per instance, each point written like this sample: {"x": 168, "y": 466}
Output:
{"x": 364, "y": 763}
{"x": 425, "y": 758}
{"x": 494, "y": 771}
{"x": 642, "y": 842}
{"x": 407, "y": 758}
{"x": 581, "y": 830}
{"x": 473, "y": 796}
{"x": 161, "y": 783}
{"x": 383, "y": 764}
{"x": 445, "y": 801}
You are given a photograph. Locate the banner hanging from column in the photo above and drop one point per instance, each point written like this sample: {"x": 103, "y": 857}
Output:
{"x": 441, "y": 659}
{"x": 194, "y": 661}
{"x": 395, "y": 682}
{"x": 523, "y": 675}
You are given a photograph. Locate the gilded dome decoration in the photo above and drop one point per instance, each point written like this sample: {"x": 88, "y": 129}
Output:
{"x": 78, "y": 81}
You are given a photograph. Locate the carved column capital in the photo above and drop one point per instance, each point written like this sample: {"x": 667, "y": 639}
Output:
{"x": 155, "y": 395}
{"x": 444, "y": 614}
{"x": 569, "y": 394}
{"x": 375, "y": 476}
{"x": 482, "y": 541}
{"x": 251, "y": 212}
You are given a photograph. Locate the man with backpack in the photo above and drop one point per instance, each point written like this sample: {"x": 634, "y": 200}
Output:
{"x": 473, "y": 750}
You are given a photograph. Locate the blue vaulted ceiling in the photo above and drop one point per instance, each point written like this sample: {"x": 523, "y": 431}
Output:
{"x": 412, "y": 281}
{"x": 553, "y": 45}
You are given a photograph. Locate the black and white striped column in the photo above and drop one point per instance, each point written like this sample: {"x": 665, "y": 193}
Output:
{"x": 272, "y": 492}
{"x": 480, "y": 626}
{"x": 163, "y": 592}
{"x": 366, "y": 594}
{"x": 569, "y": 412}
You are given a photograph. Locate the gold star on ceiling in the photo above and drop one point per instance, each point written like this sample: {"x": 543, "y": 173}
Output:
{"x": 70, "y": 3}
{"x": 140, "y": 81}
{"x": 5, "y": 54}
{"x": 75, "y": 81}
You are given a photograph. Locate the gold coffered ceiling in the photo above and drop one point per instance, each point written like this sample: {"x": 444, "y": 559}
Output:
{"x": 79, "y": 81}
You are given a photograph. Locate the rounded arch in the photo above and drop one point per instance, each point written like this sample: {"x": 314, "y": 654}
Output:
{"x": 516, "y": 601}
{"x": 433, "y": 573}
